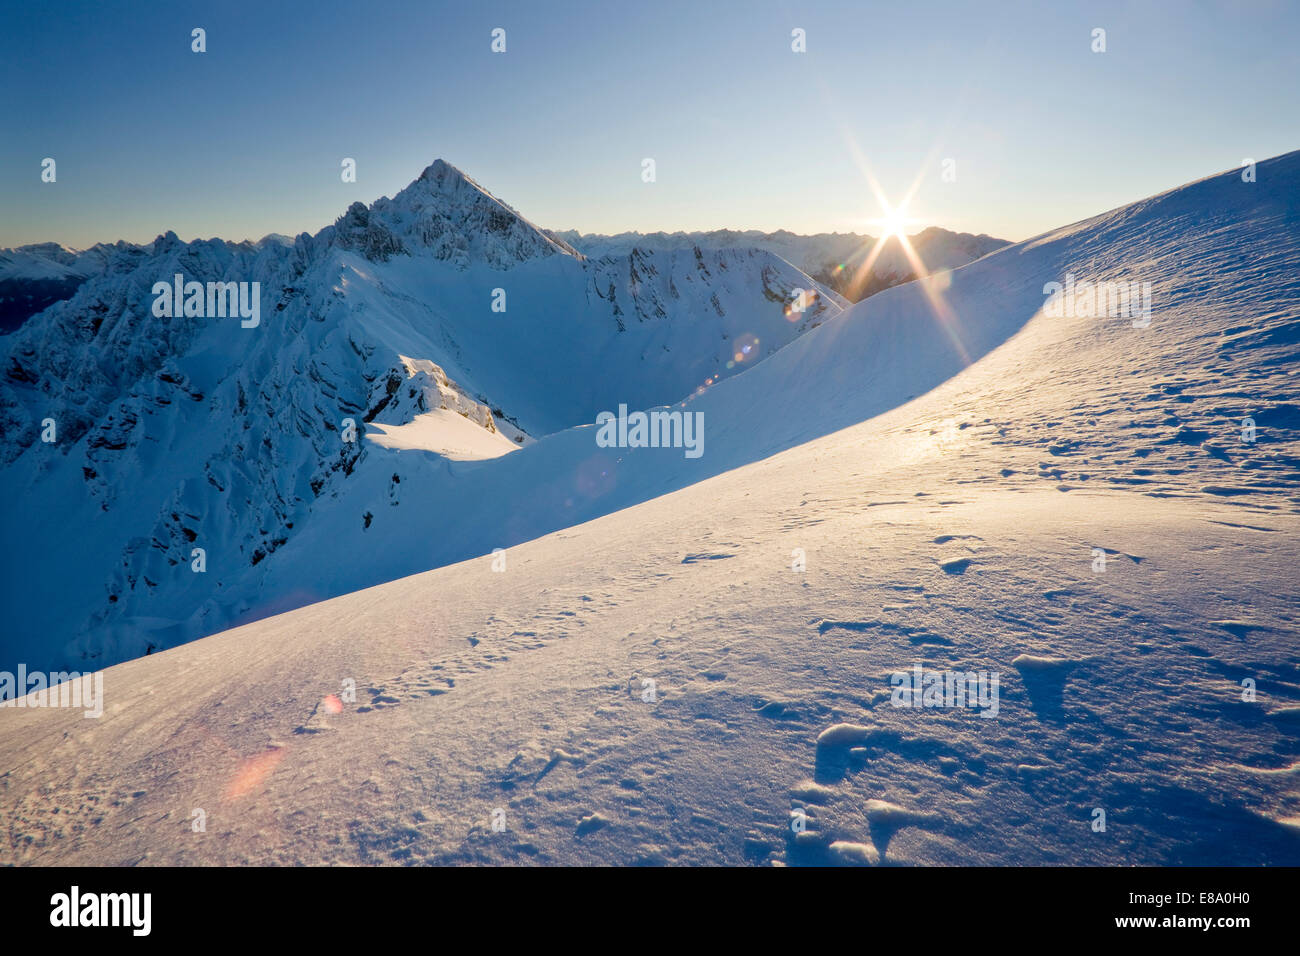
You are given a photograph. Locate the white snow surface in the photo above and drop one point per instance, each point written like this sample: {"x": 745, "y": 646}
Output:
{"x": 443, "y": 432}
{"x": 947, "y": 458}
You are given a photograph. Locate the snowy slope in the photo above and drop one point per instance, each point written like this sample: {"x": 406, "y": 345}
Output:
{"x": 948, "y": 483}
{"x": 196, "y": 432}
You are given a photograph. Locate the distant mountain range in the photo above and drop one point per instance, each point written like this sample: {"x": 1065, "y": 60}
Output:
{"x": 832, "y": 258}
{"x": 34, "y": 277}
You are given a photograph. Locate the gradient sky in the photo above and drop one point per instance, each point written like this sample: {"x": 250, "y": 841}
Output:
{"x": 247, "y": 138}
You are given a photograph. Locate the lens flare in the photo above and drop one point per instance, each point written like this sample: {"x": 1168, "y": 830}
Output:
{"x": 746, "y": 348}
{"x": 253, "y": 773}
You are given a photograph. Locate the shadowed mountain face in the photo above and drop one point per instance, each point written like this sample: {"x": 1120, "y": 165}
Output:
{"x": 34, "y": 277}
{"x": 20, "y": 299}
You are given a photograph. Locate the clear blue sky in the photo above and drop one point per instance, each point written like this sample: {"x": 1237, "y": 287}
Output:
{"x": 247, "y": 138}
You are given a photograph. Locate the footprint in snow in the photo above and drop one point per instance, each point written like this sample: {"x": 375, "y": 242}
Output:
{"x": 1241, "y": 628}
{"x": 845, "y": 853}
{"x": 778, "y": 710}
{"x": 838, "y": 747}
{"x": 809, "y": 791}
{"x": 1044, "y": 679}
{"x": 885, "y": 819}
{"x": 593, "y": 822}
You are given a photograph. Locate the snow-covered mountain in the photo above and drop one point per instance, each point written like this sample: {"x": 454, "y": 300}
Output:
{"x": 439, "y": 318}
{"x": 836, "y": 259}
{"x": 33, "y": 277}
{"x": 699, "y": 665}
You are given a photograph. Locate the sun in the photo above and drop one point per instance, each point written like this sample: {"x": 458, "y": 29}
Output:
{"x": 894, "y": 222}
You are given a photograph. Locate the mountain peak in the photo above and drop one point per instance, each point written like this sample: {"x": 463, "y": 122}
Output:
{"x": 440, "y": 170}
{"x": 448, "y": 213}
{"x": 441, "y": 177}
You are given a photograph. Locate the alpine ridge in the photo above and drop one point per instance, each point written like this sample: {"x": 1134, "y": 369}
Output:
{"x": 380, "y": 336}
